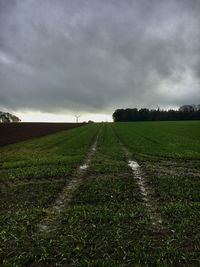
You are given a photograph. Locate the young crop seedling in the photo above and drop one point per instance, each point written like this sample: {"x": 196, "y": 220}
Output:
{"x": 106, "y": 220}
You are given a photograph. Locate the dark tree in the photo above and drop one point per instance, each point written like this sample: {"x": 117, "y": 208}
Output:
{"x": 6, "y": 117}
{"x": 190, "y": 113}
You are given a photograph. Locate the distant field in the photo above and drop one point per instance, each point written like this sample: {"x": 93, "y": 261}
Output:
{"x": 178, "y": 139}
{"x": 15, "y": 132}
{"x": 108, "y": 219}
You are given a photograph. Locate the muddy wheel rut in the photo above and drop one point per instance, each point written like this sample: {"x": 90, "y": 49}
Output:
{"x": 65, "y": 196}
{"x": 147, "y": 193}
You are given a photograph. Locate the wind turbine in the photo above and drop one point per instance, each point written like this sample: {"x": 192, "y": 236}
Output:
{"x": 77, "y": 117}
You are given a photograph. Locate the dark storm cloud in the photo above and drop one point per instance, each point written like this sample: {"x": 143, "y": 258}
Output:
{"x": 98, "y": 55}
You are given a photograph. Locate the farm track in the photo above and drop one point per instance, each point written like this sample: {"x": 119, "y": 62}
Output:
{"x": 147, "y": 193}
{"x": 65, "y": 196}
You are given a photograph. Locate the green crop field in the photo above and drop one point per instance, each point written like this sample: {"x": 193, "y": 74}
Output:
{"x": 117, "y": 216}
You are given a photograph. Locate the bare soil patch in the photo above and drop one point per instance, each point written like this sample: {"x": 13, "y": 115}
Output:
{"x": 15, "y": 132}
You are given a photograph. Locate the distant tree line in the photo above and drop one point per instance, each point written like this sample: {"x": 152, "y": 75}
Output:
{"x": 6, "y": 117}
{"x": 187, "y": 112}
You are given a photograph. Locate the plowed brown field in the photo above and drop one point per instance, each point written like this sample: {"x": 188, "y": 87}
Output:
{"x": 14, "y": 132}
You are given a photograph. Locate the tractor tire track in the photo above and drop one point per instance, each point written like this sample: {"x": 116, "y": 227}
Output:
{"x": 65, "y": 196}
{"x": 145, "y": 191}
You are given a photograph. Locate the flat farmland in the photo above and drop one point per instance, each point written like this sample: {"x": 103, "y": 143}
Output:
{"x": 103, "y": 195}
{"x": 15, "y": 132}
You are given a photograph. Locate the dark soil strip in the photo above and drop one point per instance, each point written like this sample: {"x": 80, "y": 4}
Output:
{"x": 14, "y": 132}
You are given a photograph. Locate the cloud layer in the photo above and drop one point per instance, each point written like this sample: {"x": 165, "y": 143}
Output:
{"x": 98, "y": 55}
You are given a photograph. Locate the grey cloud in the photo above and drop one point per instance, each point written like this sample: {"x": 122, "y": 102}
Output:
{"x": 96, "y": 55}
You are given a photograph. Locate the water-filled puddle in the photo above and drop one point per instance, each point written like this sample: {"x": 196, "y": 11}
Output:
{"x": 141, "y": 183}
{"x": 136, "y": 169}
{"x": 83, "y": 167}
{"x": 133, "y": 164}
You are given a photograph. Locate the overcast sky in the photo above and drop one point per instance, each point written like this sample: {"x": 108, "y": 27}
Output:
{"x": 93, "y": 56}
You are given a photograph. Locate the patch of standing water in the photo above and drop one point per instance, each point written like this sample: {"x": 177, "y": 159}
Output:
{"x": 136, "y": 169}
{"x": 83, "y": 167}
{"x": 141, "y": 183}
{"x": 133, "y": 164}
